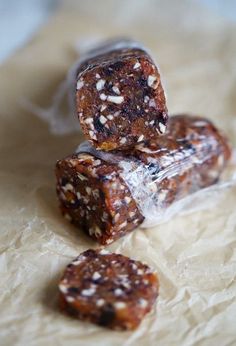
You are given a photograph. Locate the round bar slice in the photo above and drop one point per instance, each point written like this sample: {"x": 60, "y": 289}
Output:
{"x": 108, "y": 289}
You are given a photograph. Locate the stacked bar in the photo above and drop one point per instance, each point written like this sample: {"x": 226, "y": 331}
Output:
{"x": 109, "y": 195}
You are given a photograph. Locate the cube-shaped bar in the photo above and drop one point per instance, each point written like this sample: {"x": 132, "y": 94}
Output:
{"x": 120, "y": 100}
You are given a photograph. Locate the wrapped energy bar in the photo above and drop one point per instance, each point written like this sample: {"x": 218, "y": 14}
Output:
{"x": 110, "y": 194}
{"x": 120, "y": 99}
{"x": 108, "y": 289}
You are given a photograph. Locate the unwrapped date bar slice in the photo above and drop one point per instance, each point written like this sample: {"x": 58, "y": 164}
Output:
{"x": 108, "y": 289}
{"x": 119, "y": 96}
{"x": 110, "y": 194}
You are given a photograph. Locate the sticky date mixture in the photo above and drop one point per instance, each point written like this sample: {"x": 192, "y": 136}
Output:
{"x": 120, "y": 98}
{"x": 108, "y": 289}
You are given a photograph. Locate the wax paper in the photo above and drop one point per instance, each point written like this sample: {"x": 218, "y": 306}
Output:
{"x": 193, "y": 254}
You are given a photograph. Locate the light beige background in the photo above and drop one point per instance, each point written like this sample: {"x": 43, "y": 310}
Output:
{"x": 194, "y": 255}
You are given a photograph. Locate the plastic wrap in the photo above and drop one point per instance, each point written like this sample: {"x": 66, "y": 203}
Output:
{"x": 194, "y": 255}
{"x": 190, "y": 157}
{"x": 61, "y": 115}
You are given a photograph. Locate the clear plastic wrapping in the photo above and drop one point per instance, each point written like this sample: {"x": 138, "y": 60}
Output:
{"x": 61, "y": 115}
{"x": 169, "y": 177}
{"x": 194, "y": 255}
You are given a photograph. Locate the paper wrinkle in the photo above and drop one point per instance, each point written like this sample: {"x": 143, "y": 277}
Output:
{"x": 193, "y": 254}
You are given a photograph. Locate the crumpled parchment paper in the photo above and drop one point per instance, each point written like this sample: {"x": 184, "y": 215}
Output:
{"x": 193, "y": 254}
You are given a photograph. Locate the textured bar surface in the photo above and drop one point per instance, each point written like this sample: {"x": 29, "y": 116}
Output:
{"x": 108, "y": 289}
{"x": 109, "y": 195}
{"x": 120, "y": 98}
